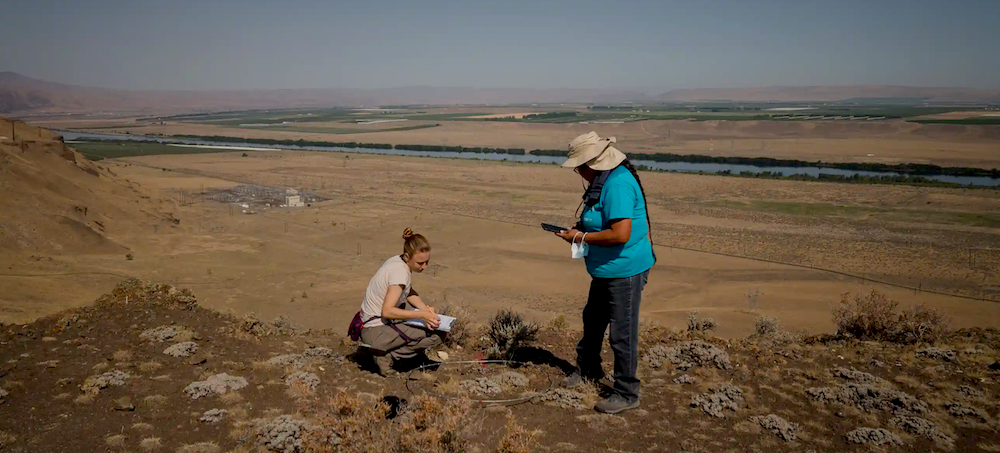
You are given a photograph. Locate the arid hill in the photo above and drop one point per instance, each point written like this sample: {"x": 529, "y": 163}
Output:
{"x": 831, "y": 93}
{"x": 147, "y": 369}
{"x": 55, "y": 200}
{"x": 25, "y": 96}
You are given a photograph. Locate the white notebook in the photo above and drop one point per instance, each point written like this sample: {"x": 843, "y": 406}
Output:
{"x": 444, "y": 327}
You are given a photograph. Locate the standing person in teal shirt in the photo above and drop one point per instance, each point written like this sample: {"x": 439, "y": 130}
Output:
{"x": 613, "y": 236}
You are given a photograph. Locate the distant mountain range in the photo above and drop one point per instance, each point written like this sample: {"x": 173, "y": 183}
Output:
{"x": 24, "y": 95}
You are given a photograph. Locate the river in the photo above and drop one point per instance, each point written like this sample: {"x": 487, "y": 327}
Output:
{"x": 684, "y": 167}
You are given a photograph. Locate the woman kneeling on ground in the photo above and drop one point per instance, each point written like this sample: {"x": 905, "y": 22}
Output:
{"x": 614, "y": 228}
{"x": 390, "y": 300}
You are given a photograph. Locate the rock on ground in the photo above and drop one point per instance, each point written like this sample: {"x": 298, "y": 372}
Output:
{"x": 684, "y": 379}
{"x": 184, "y": 349}
{"x": 719, "y": 398}
{"x": 777, "y": 425}
{"x": 165, "y": 333}
{"x": 857, "y": 376}
{"x": 922, "y": 427}
{"x": 282, "y": 434}
{"x": 214, "y": 416}
{"x": 215, "y": 385}
{"x": 309, "y": 380}
{"x": 959, "y": 410}
{"x": 113, "y": 378}
{"x": 495, "y": 384}
{"x": 938, "y": 354}
{"x": 870, "y": 398}
{"x": 873, "y": 436}
{"x": 688, "y": 355}
{"x": 564, "y": 398}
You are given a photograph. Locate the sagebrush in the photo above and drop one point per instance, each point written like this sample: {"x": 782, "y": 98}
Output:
{"x": 507, "y": 333}
{"x": 873, "y": 316}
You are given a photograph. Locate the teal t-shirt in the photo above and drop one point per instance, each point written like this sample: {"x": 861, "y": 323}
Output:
{"x": 621, "y": 198}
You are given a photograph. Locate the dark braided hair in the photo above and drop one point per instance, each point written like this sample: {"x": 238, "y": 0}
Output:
{"x": 635, "y": 174}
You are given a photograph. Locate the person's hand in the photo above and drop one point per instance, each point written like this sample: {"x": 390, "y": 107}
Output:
{"x": 569, "y": 234}
{"x": 431, "y": 309}
{"x": 432, "y": 320}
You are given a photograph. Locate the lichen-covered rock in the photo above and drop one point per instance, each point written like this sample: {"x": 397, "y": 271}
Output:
{"x": 873, "y": 436}
{"x": 215, "y": 385}
{"x": 307, "y": 357}
{"x": 214, "y": 416}
{"x": 922, "y": 427}
{"x": 495, "y": 384}
{"x": 970, "y": 392}
{"x": 282, "y": 434}
{"x": 870, "y": 398}
{"x": 564, "y": 398}
{"x": 307, "y": 380}
{"x": 684, "y": 379}
{"x": 688, "y": 355}
{"x": 184, "y": 349}
{"x": 938, "y": 354}
{"x": 718, "y": 399}
{"x": 166, "y": 333}
{"x": 113, "y": 378}
{"x": 959, "y": 410}
{"x": 857, "y": 376}
{"x": 777, "y": 425}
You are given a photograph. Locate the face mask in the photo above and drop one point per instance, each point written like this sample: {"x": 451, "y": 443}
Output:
{"x": 579, "y": 249}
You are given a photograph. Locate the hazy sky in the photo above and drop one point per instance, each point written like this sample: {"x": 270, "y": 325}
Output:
{"x": 222, "y": 44}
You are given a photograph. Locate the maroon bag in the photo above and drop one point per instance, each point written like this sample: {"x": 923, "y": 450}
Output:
{"x": 354, "y": 331}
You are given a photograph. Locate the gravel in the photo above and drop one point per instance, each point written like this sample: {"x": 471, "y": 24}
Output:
{"x": 114, "y": 378}
{"x": 215, "y": 385}
{"x": 184, "y": 349}
{"x": 718, "y": 399}
{"x": 688, "y": 355}
{"x": 777, "y": 425}
{"x": 873, "y": 436}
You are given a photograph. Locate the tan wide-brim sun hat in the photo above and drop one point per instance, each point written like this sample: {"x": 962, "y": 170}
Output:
{"x": 594, "y": 151}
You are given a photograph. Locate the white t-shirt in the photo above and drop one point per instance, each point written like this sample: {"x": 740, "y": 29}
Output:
{"x": 393, "y": 272}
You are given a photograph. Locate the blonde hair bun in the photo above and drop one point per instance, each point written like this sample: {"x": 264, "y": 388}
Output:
{"x": 407, "y": 233}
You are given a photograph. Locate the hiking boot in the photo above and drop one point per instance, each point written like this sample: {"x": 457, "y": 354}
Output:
{"x": 384, "y": 364}
{"x": 615, "y": 404}
{"x": 573, "y": 380}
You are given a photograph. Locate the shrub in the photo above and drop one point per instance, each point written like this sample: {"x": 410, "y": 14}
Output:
{"x": 507, "y": 333}
{"x": 696, "y": 324}
{"x": 874, "y": 317}
{"x": 517, "y": 438}
{"x": 461, "y": 329}
{"x": 765, "y": 326}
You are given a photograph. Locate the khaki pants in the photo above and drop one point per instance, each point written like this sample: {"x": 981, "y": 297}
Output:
{"x": 385, "y": 339}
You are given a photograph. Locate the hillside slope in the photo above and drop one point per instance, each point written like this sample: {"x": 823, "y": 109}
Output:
{"x": 55, "y": 200}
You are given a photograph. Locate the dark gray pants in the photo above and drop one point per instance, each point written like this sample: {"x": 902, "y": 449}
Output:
{"x": 613, "y": 301}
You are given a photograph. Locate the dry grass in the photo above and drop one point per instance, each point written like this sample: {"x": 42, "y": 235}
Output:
{"x": 200, "y": 447}
{"x": 86, "y": 398}
{"x": 100, "y": 367}
{"x": 115, "y": 441}
{"x": 149, "y": 367}
{"x": 142, "y": 427}
{"x": 150, "y": 443}
{"x": 231, "y": 398}
{"x": 122, "y": 355}
{"x": 155, "y": 401}
{"x": 427, "y": 424}
{"x": 462, "y": 330}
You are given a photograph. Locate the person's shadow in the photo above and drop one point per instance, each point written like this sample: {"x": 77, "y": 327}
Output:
{"x": 539, "y": 356}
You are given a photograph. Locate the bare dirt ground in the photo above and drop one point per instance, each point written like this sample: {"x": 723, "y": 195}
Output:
{"x": 313, "y": 263}
{"x": 147, "y": 369}
{"x": 893, "y": 141}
